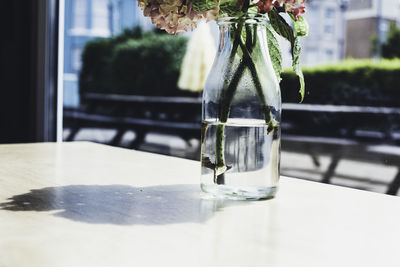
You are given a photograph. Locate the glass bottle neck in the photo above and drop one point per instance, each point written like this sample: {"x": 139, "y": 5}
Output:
{"x": 239, "y": 36}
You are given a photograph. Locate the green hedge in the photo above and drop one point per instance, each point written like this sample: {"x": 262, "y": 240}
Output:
{"x": 351, "y": 82}
{"x": 133, "y": 63}
{"x": 148, "y": 64}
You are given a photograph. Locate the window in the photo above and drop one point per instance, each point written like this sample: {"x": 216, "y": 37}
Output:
{"x": 100, "y": 17}
{"x": 360, "y": 4}
{"x": 329, "y": 55}
{"x": 80, "y": 10}
{"x": 330, "y": 13}
{"x": 76, "y": 59}
{"x": 329, "y": 29}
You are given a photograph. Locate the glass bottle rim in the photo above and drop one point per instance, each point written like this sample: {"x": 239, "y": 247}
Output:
{"x": 247, "y": 19}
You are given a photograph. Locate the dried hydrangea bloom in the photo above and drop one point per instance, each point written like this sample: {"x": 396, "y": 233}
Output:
{"x": 174, "y": 16}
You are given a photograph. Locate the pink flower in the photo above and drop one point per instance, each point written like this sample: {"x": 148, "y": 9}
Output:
{"x": 297, "y": 7}
{"x": 300, "y": 10}
{"x": 264, "y": 6}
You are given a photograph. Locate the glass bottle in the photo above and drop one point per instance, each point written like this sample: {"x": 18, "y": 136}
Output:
{"x": 240, "y": 143}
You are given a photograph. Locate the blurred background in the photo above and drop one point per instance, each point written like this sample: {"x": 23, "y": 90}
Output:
{"x": 125, "y": 83}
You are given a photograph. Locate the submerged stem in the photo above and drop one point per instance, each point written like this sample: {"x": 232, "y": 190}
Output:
{"x": 224, "y": 110}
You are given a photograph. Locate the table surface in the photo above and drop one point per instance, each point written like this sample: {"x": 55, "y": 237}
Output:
{"x": 84, "y": 204}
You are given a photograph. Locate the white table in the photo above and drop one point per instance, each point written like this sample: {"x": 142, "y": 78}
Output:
{"x": 83, "y": 204}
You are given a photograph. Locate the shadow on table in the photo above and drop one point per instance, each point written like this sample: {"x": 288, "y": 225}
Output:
{"x": 121, "y": 204}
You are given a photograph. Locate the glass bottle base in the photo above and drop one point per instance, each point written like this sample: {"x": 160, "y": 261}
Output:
{"x": 239, "y": 193}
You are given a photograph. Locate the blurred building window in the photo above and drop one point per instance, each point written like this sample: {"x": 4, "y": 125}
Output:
{"x": 330, "y": 13}
{"x": 80, "y": 9}
{"x": 329, "y": 55}
{"x": 329, "y": 29}
{"x": 100, "y": 18}
{"x": 360, "y": 4}
{"x": 76, "y": 59}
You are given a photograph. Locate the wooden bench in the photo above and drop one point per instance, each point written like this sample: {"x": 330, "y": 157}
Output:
{"x": 341, "y": 132}
{"x": 368, "y": 134}
{"x": 169, "y": 115}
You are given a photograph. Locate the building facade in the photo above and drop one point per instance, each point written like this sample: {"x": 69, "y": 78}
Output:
{"x": 325, "y": 42}
{"x": 368, "y": 19}
{"x": 340, "y": 29}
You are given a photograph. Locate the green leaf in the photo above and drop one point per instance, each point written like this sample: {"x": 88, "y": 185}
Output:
{"x": 203, "y": 5}
{"x": 274, "y": 52}
{"x": 297, "y": 67}
{"x": 300, "y": 26}
{"x": 230, "y": 7}
{"x": 281, "y": 27}
{"x": 252, "y": 10}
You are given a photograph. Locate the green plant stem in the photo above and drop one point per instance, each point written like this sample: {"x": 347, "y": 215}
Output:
{"x": 226, "y": 103}
{"x": 252, "y": 67}
{"x": 224, "y": 109}
{"x": 246, "y": 5}
{"x": 219, "y": 178}
{"x": 249, "y": 40}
